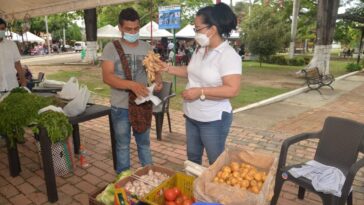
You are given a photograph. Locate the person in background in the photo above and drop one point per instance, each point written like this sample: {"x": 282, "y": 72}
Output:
{"x": 121, "y": 88}
{"x": 28, "y": 77}
{"x": 9, "y": 62}
{"x": 213, "y": 74}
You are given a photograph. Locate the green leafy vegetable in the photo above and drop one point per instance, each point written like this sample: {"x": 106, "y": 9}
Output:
{"x": 20, "y": 110}
{"x": 57, "y": 125}
{"x": 17, "y": 111}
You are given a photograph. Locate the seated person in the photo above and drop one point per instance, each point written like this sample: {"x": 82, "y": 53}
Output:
{"x": 28, "y": 77}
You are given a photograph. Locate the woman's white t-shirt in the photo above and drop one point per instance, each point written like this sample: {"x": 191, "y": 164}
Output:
{"x": 208, "y": 71}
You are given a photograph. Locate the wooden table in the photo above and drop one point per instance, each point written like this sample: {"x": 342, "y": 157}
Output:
{"x": 91, "y": 112}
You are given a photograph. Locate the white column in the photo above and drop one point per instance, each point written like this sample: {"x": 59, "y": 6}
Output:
{"x": 296, "y": 8}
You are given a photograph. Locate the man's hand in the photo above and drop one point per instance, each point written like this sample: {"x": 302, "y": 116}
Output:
{"x": 138, "y": 89}
{"x": 191, "y": 94}
{"x": 158, "y": 86}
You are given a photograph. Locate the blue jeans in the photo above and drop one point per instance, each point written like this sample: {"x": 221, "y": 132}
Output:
{"x": 209, "y": 135}
{"x": 122, "y": 128}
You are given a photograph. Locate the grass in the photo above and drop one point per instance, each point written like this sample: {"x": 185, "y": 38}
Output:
{"x": 91, "y": 79}
{"x": 249, "y": 92}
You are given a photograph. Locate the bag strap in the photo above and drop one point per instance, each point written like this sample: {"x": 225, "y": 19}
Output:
{"x": 124, "y": 61}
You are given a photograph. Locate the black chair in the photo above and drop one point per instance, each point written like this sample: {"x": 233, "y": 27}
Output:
{"x": 39, "y": 79}
{"x": 340, "y": 142}
{"x": 158, "y": 111}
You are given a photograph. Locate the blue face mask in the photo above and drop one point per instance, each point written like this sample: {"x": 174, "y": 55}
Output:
{"x": 131, "y": 37}
{"x": 2, "y": 33}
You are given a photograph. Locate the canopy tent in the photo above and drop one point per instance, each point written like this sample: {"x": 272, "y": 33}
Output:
{"x": 19, "y": 9}
{"x": 186, "y": 32}
{"x": 13, "y": 36}
{"x": 30, "y": 37}
{"x": 108, "y": 31}
{"x": 145, "y": 31}
{"x": 234, "y": 35}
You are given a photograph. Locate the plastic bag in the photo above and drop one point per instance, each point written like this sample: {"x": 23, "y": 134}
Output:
{"x": 50, "y": 107}
{"x": 78, "y": 104}
{"x": 155, "y": 100}
{"x": 2, "y": 97}
{"x": 70, "y": 89}
{"x": 52, "y": 84}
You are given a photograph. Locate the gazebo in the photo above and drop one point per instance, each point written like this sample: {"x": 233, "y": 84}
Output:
{"x": 108, "y": 32}
{"x": 151, "y": 31}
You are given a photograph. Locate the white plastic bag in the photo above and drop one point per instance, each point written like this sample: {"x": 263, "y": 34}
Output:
{"x": 51, "y": 84}
{"x": 78, "y": 104}
{"x": 70, "y": 89}
{"x": 2, "y": 97}
{"x": 52, "y": 108}
{"x": 155, "y": 100}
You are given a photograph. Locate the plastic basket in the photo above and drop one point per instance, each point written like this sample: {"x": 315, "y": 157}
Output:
{"x": 182, "y": 181}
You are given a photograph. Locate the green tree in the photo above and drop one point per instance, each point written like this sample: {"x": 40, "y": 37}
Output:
{"x": 56, "y": 23}
{"x": 73, "y": 33}
{"x": 109, "y": 14}
{"x": 261, "y": 37}
{"x": 346, "y": 34}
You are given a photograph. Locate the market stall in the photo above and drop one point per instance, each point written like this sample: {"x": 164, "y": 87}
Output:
{"x": 151, "y": 31}
{"x": 108, "y": 32}
{"x": 52, "y": 118}
{"x": 237, "y": 177}
{"x": 189, "y": 33}
{"x": 13, "y": 36}
{"x": 30, "y": 37}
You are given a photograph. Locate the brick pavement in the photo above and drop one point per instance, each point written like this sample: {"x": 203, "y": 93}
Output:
{"x": 29, "y": 187}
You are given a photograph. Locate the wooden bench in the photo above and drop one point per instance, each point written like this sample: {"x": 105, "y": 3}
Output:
{"x": 315, "y": 80}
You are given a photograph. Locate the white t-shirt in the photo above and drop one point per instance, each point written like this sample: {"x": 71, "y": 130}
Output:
{"x": 9, "y": 54}
{"x": 208, "y": 71}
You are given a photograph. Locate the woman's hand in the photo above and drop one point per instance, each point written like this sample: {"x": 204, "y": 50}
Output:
{"x": 164, "y": 66}
{"x": 191, "y": 94}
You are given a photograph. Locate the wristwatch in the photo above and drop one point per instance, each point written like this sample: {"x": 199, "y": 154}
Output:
{"x": 202, "y": 96}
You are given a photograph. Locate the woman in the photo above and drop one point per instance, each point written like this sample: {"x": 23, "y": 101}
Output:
{"x": 213, "y": 78}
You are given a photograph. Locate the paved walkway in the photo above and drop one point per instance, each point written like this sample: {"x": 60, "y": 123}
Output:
{"x": 261, "y": 129}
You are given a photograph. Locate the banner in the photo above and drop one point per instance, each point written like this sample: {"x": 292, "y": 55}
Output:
{"x": 169, "y": 17}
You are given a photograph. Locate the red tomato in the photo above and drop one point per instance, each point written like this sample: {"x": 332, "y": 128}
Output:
{"x": 184, "y": 197}
{"x": 177, "y": 190}
{"x": 170, "y": 195}
{"x": 170, "y": 203}
{"x": 179, "y": 200}
{"x": 187, "y": 202}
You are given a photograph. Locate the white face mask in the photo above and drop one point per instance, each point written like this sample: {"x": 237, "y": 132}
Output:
{"x": 2, "y": 34}
{"x": 202, "y": 39}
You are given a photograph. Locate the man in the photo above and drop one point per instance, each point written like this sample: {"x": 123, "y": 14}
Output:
{"x": 9, "y": 62}
{"x": 114, "y": 75}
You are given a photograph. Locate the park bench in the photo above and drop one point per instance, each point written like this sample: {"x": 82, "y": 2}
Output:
{"x": 315, "y": 80}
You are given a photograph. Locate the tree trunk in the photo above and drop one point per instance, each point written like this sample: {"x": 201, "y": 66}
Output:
{"x": 296, "y": 8}
{"x": 91, "y": 34}
{"x": 360, "y": 45}
{"x": 326, "y": 20}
